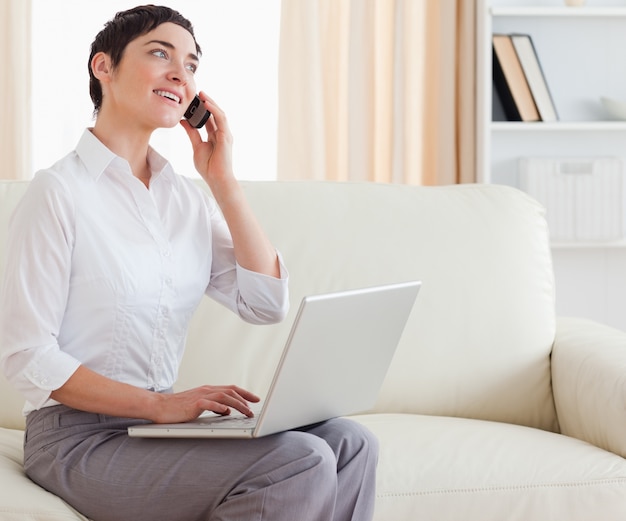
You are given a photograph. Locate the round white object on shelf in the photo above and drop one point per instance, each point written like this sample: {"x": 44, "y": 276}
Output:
{"x": 615, "y": 109}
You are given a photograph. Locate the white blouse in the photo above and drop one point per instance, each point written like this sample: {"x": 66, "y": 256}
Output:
{"x": 101, "y": 271}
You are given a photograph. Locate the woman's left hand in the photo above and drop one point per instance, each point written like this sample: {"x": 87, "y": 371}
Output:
{"x": 212, "y": 158}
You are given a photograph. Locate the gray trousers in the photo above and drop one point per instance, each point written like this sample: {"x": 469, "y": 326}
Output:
{"x": 322, "y": 472}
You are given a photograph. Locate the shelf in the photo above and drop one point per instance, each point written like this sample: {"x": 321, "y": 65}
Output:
{"x": 597, "y": 245}
{"x": 560, "y": 126}
{"x": 565, "y": 12}
{"x": 580, "y": 49}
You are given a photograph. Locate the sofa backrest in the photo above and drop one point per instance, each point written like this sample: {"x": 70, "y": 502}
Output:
{"x": 11, "y": 402}
{"x": 479, "y": 338}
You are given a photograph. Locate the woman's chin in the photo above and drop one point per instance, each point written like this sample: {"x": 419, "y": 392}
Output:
{"x": 168, "y": 122}
{"x": 166, "y": 119}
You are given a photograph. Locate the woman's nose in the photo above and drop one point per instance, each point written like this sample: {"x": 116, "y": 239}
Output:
{"x": 179, "y": 74}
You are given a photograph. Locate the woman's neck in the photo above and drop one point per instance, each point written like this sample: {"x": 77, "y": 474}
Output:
{"x": 128, "y": 142}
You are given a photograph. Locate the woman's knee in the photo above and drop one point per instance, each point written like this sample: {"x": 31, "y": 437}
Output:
{"x": 313, "y": 450}
{"x": 347, "y": 437}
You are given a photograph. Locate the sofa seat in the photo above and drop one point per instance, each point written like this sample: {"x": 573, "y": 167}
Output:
{"x": 474, "y": 467}
{"x": 20, "y": 498}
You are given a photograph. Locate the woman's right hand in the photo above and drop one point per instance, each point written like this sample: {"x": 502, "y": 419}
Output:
{"x": 188, "y": 405}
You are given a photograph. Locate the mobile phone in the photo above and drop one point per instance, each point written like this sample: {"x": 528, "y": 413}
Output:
{"x": 196, "y": 113}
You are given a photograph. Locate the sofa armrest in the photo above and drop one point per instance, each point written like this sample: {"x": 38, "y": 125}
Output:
{"x": 589, "y": 383}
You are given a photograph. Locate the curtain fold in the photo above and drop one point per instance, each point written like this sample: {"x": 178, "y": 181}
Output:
{"x": 379, "y": 91}
{"x": 15, "y": 89}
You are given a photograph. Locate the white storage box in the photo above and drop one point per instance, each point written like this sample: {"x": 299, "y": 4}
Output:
{"x": 584, "y": 198}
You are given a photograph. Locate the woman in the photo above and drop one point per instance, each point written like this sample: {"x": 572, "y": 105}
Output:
{"x": 110, "y": 253}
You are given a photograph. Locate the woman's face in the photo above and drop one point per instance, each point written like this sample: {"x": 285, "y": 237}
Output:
{"x": 153, "y": 83}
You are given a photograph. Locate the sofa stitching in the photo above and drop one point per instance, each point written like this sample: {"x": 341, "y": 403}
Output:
{"x": 475, "y": 490}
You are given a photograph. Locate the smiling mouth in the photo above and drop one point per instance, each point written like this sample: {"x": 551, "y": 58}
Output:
{"x": 167, "y": 95}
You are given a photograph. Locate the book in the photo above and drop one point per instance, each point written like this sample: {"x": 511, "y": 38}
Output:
{"x": 528, "y": 58}
{"x": 497, "y": 109}
{"x": 508, "y": 76}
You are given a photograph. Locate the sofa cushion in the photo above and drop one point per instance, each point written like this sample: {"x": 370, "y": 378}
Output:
{"x": 20, "y": 498}
{"x": 491, "y": 471}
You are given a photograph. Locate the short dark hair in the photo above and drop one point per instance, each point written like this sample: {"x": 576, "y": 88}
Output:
{"x": 123, "y": 29}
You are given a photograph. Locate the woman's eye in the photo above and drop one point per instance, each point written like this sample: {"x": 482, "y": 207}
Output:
{"x": 159, "y": 53}
{"x": 192, "y": 68}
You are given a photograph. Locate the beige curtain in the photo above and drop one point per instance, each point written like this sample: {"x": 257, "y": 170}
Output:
{"x": 15, "y": 102}
{"x": 377, "y": 90}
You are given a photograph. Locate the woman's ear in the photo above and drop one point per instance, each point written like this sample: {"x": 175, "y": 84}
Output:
{"x": 101, "y": 66}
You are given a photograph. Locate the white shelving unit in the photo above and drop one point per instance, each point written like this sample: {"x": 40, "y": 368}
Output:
{"x": 582, "y": 51}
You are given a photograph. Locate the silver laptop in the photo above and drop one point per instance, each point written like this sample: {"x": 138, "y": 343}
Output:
{"x": 334, "y": 363}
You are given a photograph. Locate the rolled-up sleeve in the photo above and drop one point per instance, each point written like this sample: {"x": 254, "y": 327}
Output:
{"x": 36, "y": 372}
{"x": 255, "y": 297}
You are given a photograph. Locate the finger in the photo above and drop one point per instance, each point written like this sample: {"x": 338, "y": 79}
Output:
{"x": 232, "y": 396}
{"x": 223, "y": 406}
{"x": 239, "y": 401}
{"x": 218, "y": 115}
{"x": 205, "y": 97}
{"x": 240, "y": 393}
{"x": 210, "y": 104}
{"x": 247, "y": 395}
{"x": 194, "y": 135}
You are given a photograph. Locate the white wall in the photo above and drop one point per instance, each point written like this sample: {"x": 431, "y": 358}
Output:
{"x": 239, "y": 69}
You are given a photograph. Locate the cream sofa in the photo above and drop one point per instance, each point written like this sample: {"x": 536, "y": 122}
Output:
{"x": 492, "y": 409}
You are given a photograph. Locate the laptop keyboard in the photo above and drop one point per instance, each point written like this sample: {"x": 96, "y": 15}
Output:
{"x": 230, "y": 422}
